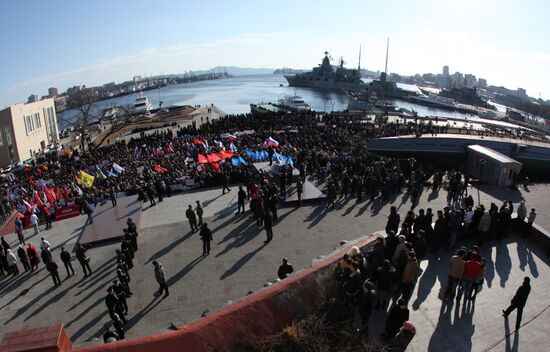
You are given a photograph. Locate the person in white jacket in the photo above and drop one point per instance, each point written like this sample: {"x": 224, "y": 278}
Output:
{"x": 12, "y": 263}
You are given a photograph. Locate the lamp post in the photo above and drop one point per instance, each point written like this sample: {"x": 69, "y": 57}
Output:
{"x": 482, "y": 163}
{"x": 332, "y": 103}
{"x": 325, "y": 109}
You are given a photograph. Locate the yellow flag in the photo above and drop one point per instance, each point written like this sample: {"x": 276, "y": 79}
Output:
{"x": 86, "y": 179}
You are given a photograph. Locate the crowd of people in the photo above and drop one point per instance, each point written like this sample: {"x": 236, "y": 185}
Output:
{"x": 327, "y": 149}
{"x": 385, "y": 274}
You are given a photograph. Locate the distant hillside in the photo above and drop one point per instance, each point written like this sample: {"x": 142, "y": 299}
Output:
{"x": 242, "y": 71}
{"x": 287, "y": 71}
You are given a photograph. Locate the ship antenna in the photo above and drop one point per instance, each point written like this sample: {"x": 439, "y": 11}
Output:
{"x": 387, "y": 51}
{"x": 359, "y": 65}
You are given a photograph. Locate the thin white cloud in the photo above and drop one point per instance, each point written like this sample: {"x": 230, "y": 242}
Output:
{"x": 147, "y": 55}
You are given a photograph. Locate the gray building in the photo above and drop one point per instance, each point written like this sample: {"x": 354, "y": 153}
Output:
{"x": 492, "y": 167}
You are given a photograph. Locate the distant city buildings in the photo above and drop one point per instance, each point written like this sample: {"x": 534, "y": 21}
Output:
{"x": 32, "y": 98}
{"x": 25, "y": 129}
{"x": 52, "y": 92}
{"x": 445, "y": 71}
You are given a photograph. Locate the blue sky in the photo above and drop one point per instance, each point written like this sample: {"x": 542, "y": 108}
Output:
{"x": 63, "y": 43}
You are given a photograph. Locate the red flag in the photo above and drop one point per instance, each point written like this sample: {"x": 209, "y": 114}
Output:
{"x": 50, "y": 195}
{"x": 38, "y": 200}
{"x": 226, "y": 154}
{"x": 58, "y": 193}
{"x": 216, "y": 166}
{"x": 39, "y": 171}
{"x": 31, "y": 181}
{"x": 159, "y": 168}
{"x": 202, "y": 159}
{"x": 197, "y": 141}
{"x": 44, "y": 167}
{"x": 213, "y": 158}
{"x": 27, "y": 169}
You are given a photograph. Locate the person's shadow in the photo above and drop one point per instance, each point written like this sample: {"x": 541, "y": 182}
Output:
{"x": 514, "y": 347}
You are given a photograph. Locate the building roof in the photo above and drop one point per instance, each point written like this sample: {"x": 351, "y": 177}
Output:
{"x": 493, "y": 154}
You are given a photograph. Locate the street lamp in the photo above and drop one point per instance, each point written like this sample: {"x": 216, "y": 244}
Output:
{"x": 325, "y": 109}
{"x": 482, "y": 163}
{"x": 332, "y": 103}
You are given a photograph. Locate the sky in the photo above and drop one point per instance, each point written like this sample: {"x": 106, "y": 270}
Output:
{"x": 61, "y": 43}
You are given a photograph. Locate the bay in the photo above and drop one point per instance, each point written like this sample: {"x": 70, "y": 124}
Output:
{"x": 234, "y": 96}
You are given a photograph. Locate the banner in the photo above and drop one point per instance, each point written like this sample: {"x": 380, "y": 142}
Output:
{"x": 70, "y": 211}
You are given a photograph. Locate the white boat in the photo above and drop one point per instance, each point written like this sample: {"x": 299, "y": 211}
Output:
{"x": 142, "y": 105}
{"x": 435, "y": 101}
{"x": 294, "y": 102}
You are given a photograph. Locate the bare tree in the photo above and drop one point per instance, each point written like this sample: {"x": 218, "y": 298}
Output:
{"x": 83, "y": 101}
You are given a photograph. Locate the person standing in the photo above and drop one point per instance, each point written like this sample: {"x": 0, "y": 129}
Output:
{"x": 200, "y": 211}
{"x": 241, "y": 197}
{"x": 88, "y": 211}
{"x": 5, "y": 245}
{"x": 84, "y": 260}
{"x": 456, "y": 270}
{"x": 44, "y": 244}
{"x": 52, "y": 268}
{"x": 34, "y": 223}
{"x": 472, "y": 268}
{"x": 19, "y": 230}
{"x": 33, "y": 256}
{"x": 112, "y": 196}
{"x": 46, "y": 211}
{"x": 22, "y": 254}
{"x": 120, "y": 293}
{"x": 206, "y": 237}
{"x": 530, "y": 221}
{"x": 366, "y": 304}
{"x": 151, "y": 195}
{"x": 190, "y": 215}
{"x": 113, "y": 305}
{"x": 226, "y": 182}
{"x": 268, "y": 225}
{"x": 66, "y": 259}
{"x": 284, "y": 269}
{"x": 161, "y": 279}
{"x": 393, "y": 220}
{"x": 12, "y": 263}
{"x": 518, "y": 302}
{"x": 299, "y": 190}
{"x": 398, "y": 315}
{"x": 118, "y": 324}
{"x": 409, "y": 276}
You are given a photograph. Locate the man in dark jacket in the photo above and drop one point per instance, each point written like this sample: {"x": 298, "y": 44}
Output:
{"x": 206, "y": 237}
{"x": 190, "y": 215}
{"x": 284, "y": 269}
{"x": 113, "y": 305}
{"x": 52, "y": 268}
{"x": 241, "y": 199}
{"x": 66, "y": 259}
{"x": 268, "y": 225}
{"x": 393, "y": 220}
{"x": 518, "y": 302}
{"x": 84, "y": 261}
{"x": 23, "y": 258}
{"x": 366, "y": 304}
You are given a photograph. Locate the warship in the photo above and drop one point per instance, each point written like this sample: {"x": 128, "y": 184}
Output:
{"x": 328, "y": 77}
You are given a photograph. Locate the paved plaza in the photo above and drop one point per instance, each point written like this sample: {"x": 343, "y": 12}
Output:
{"x": 240, "y": 262}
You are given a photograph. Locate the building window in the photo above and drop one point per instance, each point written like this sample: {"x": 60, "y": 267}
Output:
{"x": 7, "y": 132}
{"x": 51, "y": 122}
{"x": 28, "y": 124}
{"x": 37, "y": 123}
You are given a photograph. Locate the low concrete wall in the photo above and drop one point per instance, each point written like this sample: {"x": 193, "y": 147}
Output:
{"x": 263, "y": 313}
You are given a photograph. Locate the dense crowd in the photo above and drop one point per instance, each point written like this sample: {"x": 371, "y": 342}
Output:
{"x": 330, "y": 150}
